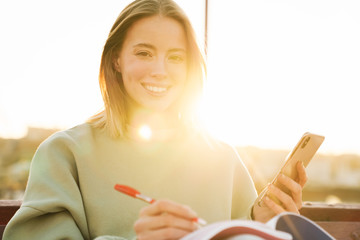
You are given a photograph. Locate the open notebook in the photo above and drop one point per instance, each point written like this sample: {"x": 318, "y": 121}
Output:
{"x": 285, "y": 226}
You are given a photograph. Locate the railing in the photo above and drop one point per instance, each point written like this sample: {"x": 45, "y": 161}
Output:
{"x": 341, "y": 220}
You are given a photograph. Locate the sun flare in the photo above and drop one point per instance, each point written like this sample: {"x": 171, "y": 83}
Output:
{"x": 145, "y": 132}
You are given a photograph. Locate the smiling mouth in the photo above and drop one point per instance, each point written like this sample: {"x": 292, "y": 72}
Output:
{"x": 155, "y": 89}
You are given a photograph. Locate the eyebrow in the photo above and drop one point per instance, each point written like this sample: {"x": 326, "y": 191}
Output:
{"x": 144, "y": 45}
{"x": 147, "y": 45}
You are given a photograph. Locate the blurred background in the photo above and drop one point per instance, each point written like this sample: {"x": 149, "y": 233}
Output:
{"x": 277, "y": 69}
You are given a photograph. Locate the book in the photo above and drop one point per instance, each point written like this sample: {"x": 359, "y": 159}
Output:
{"x": 284, "y": 226}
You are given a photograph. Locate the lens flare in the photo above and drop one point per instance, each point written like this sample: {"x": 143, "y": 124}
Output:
{"x": 145, "y": 132}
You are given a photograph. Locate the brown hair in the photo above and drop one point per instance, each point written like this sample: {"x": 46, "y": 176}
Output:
{"x": 113, "y": 118}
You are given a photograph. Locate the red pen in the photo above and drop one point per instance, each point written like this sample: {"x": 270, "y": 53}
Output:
{"x": 136, "y": 194}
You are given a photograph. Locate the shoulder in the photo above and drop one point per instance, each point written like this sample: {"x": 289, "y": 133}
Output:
{"x": 63, "y": 149}
{"x": 79, "y": 133}
{"x": 209, "y": 143}
{"x": 212, "y": 142}
{"x": 73, "y": 139}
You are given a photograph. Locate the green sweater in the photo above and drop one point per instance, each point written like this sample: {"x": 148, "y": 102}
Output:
{"x": 70, "y": 192}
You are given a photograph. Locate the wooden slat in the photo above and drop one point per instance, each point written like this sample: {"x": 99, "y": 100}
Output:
{"x": 2, "y": 228}
{"x": 7, "y": 210}
{"x": 327, "y": 212}
{"x": 342, "y": 230}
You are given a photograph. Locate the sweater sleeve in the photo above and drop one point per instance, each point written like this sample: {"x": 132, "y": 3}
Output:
{"x": 52, "y": 207}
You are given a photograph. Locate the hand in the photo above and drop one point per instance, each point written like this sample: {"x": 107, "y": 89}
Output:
{"x": 291, "y": 202}
{"x": 165, "y": 219}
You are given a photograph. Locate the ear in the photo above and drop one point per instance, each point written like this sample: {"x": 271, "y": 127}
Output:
{"x": 116, "y": 64}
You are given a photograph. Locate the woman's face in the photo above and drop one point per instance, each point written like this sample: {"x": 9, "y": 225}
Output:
{"x": 153, "y": 62}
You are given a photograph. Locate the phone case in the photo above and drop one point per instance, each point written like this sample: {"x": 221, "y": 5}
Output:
{"x": 304, "y": 151}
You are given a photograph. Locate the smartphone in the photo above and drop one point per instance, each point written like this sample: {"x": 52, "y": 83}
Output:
{"x": 304, "y": 151}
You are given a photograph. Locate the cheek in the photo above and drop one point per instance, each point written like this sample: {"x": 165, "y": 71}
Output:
{"x": 133, "y": 72}
{"x": 179, "y": 73}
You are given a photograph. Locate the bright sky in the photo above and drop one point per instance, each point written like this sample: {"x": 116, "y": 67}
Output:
{"x": 281, "y": 68}
{"x": 276, "y": 68}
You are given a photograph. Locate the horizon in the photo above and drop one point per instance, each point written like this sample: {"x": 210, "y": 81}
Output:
{"x": 49, "y": 131}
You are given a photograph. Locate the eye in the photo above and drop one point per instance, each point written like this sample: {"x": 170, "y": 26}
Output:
{"x": 143, "y": 54}
{"x": 176, "y": 58}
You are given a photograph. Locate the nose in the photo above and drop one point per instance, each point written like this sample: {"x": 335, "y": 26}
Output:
{"x": 159, "y": 70}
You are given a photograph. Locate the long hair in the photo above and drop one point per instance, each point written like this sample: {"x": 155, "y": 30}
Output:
{"x": 114, "y": 117}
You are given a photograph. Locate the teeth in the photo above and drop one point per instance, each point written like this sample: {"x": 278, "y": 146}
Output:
{"x": 155, "y": 89}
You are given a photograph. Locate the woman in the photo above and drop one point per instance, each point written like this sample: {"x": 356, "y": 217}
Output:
{"x": 150, "y": 75}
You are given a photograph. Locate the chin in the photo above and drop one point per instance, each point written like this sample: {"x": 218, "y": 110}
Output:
{"x": 162, "y": 108}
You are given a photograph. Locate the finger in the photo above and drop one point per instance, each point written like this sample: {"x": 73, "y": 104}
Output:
{"x": 286, "y": 200}
{"x": 161, "y": 206}
{"x": 259, "y": 199}
{"x": 294, "y": 187}
{"x": 272, "y": 205}
{"x": 164, "y": 233}
{"x": 302, "y": 176}
{"x": 164, "y": 221}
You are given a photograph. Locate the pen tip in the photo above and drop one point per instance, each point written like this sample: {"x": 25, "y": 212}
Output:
{"x": 200, "y": 221}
